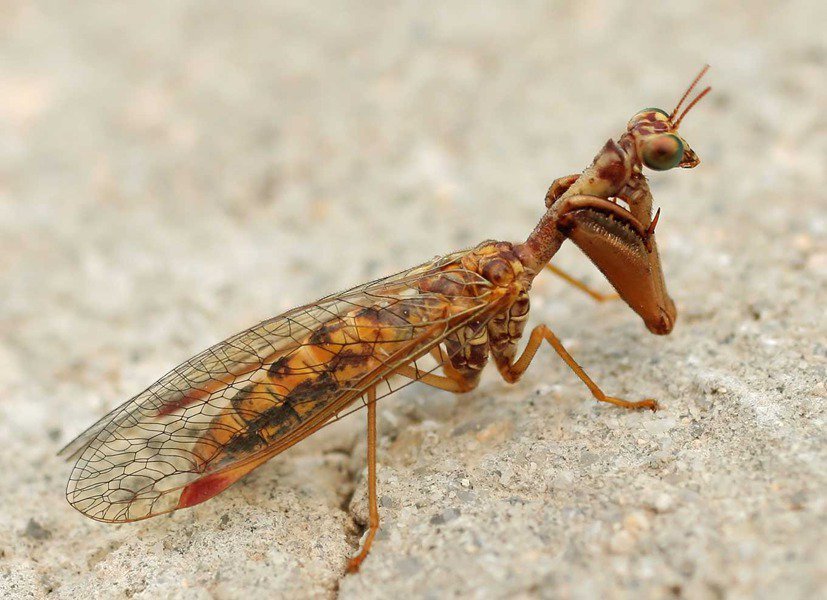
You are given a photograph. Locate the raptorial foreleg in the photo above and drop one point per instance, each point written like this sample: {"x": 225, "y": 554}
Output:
{"x": 559, "y": 187}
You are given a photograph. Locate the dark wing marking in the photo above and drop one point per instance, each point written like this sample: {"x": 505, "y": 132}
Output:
{"x": 224, "y": 412}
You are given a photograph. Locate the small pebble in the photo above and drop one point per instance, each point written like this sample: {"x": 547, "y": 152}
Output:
{"x": 636, "y": 522}
{"x": 663, "y": 503}
{"x": 622, "y": 542}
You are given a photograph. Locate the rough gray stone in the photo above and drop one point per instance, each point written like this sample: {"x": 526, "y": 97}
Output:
{"x": 170, "y": 174}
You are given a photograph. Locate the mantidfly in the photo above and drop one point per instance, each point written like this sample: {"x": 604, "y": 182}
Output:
{"x": 226, "y": 411}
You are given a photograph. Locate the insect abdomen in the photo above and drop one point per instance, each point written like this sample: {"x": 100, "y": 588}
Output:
{"x": 298, "y": 385}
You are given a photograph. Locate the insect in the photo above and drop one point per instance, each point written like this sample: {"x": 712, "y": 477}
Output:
{"x": 226, "y": 411}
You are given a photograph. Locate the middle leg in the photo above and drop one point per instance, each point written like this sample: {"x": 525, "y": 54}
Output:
{"x": 512, "y": 371}
{"x": 600, "y": 297}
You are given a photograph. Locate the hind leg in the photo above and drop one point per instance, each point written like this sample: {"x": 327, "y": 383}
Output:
{"x": 373, "y": 505}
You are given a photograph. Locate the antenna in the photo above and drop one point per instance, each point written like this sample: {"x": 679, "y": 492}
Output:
{"x": 687, "y": 92}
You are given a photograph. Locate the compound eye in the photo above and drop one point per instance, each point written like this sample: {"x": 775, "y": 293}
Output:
{"x": 662, "y": 152}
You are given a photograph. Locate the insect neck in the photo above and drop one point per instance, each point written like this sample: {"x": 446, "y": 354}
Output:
{"x": 606, "y": 176}
{"x": 542, "y": 244}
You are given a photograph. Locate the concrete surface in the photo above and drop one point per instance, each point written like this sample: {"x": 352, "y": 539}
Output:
{"x": 171, "y": 173}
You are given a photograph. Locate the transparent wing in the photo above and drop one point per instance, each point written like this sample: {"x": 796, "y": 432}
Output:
{"x": 227, "y": 410}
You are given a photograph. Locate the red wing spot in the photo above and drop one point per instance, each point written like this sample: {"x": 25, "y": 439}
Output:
{"x": 210, "y": 485}
{"x": 205, "y": 488}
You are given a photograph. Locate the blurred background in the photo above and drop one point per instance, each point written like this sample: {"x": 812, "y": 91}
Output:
{"x": 173, "y": 172}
